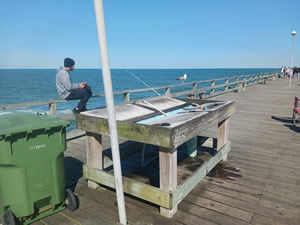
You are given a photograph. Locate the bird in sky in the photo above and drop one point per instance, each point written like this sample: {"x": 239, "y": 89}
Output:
{"x": 182, "y": 78}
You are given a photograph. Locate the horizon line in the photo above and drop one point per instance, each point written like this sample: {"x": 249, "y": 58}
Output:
{"x": 146, "y": 68}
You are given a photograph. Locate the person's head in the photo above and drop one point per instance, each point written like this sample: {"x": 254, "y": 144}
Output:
{"x": 69, "y": 63}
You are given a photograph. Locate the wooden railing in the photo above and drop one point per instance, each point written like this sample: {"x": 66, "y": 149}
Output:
{"x": 238, "y": 84}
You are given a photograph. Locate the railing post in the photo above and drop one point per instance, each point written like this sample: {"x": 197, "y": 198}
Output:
{"x": 257, "y": 78}
{"x": 240, "y": 87}
{"x": 265, "y": 78}
{"x": 226, "y": 84}
{"x": 167, "y": 91}
{"x": 236, "y": 82}
{"x": 191, "y": 96}
{"x": 261, "y": 77}
{"x": 194, "y": 86}
{"x": 52, "y": 109}
{"x": 201, "y": 95}
{"x": 251, "y": 79}
{"x": 212, "y": 86}
{"x": 126, "y": 97}
{"x": 245, "y": 83}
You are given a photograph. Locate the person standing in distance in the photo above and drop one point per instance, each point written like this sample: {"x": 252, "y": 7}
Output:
{"x": 67, "y": 90}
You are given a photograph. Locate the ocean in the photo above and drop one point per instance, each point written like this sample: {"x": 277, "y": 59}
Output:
{"x": 30, "y": 85}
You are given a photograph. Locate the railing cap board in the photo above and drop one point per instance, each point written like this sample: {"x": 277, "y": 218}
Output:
{"x": 28, "y": 104}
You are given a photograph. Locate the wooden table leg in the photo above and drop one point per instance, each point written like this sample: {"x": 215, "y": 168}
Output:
{"x": 223, "y": 135}
{"x": 168, "y": 175}
{"x": 94, "y": 154}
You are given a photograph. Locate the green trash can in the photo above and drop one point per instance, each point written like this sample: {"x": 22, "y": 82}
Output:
{"x": 32, "y": 176}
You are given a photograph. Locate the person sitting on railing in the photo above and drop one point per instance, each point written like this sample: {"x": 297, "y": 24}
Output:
{"x": 67, "y": 90}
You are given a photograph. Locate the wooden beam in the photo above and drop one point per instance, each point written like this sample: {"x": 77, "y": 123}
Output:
{"x": 94, "y": 154}
{"x": 126, "y": 97}
{"x": 223, "y": 130}
{"x": 219, "y": 156}
{"x": 52, "y": 109}
{"x": 132, "y": 187}
{"x": 187, "y": 186}
{"x": 168, "y": 176}
{"x": 132, "y": 131}
{"x": 167, "y": 91}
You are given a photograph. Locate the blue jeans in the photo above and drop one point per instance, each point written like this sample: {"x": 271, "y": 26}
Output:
{"x": 81, "y": 93}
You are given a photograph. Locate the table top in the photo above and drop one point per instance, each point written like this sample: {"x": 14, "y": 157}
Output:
{"x": 162, "y": 121}
{"x": 132, "y": 111}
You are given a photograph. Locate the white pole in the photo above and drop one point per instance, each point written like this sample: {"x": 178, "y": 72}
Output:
{"x": 292, "y": 56}
{"x": 98, "y": 4}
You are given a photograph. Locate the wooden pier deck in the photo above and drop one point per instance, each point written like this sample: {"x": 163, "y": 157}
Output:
{"x": 259, "y": 184}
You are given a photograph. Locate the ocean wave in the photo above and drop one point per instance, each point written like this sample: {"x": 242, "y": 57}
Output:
{"x": 5, "y": 113}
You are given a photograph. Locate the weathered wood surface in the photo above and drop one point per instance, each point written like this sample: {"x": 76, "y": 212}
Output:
{"x": 182, "y": 125}
{"x": 259, "y": 184}
{"x": 168, "y": 176}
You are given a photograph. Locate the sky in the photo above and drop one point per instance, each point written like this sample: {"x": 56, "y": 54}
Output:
{"x": 146, "y": 34}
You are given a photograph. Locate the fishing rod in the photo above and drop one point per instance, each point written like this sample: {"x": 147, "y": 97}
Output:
{"x": 148, "y": 103}
{"x": 153, "y": 106}
{"x": 143, "y": 82}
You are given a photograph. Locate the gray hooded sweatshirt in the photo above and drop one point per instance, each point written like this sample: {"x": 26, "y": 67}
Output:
{"x": 63, "y": 83}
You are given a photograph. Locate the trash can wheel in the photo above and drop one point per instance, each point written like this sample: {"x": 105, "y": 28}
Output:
{"x": 72, "y": 200}
{"x": 10, "y": 218}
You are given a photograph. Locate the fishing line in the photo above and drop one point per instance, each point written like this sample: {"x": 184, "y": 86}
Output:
{"x": 143, "y": 82}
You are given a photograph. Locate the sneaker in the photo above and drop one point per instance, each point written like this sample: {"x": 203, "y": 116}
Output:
{"x": 75, "y": 111}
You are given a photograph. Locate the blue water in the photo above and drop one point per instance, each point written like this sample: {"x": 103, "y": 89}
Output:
{"x": 28, "y": 85}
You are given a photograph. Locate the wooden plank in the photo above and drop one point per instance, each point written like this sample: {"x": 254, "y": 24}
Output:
{"x": 189, "y": 219}
{"x": 234, "y": 186}
{"x": 185, "y": 188}
{"x": 94, "y": 154}
{"x": 254, "y": 199}
{"x": 228, "y": 200}
{"x": 137, "y": 211}
{"x": 101, "y": 211}
{"x": 238, "y": 180}
{"x": 168, "y": 177}
{"x": 132, "y": 187}
{"x": 146, "y": 219}
{"x": 84, "y": 217}
{"x": 222, "y": 153}
{"x": 278, "y": 214}
{"x": 139, "y": 132}
{"x": 107, "y": 198}
{"x": 291, "y": 208}
{"x": 55, "y": 219}
{"x": 210, "y": 215}
{"x": 262, "y": 220}
{"x": 220, "y": 207}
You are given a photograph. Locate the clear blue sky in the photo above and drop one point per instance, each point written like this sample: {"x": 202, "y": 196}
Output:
{"x": 150, "y": 34}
